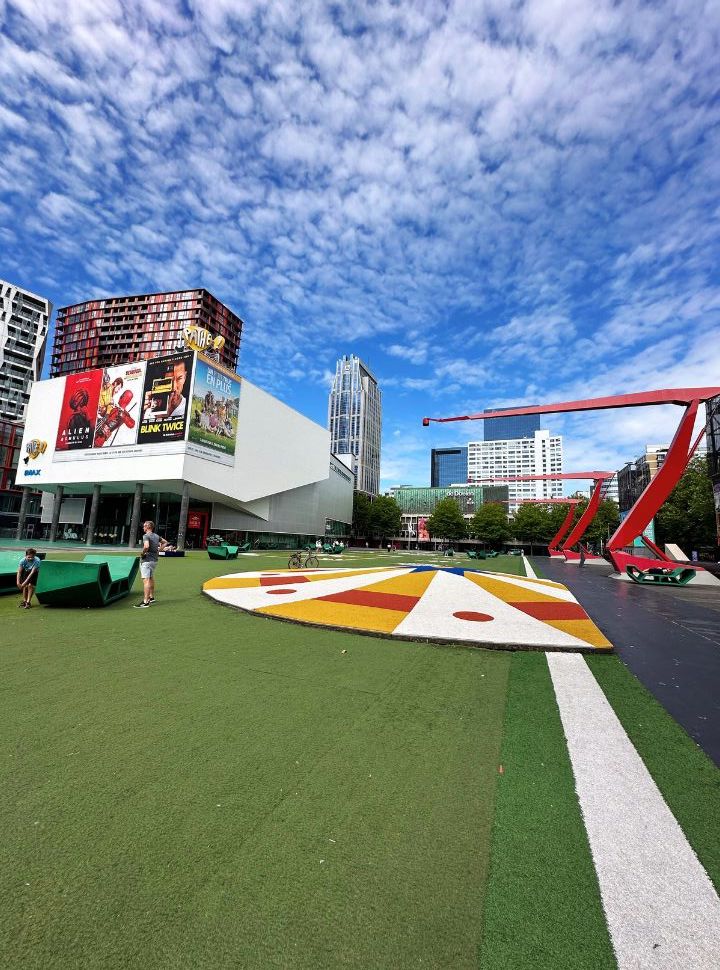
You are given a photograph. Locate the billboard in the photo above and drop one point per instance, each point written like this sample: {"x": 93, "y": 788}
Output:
{"x": 78, "y": 414}
{"x": 165, "y": 398}
{"x": 118, "y": 411}
{"x": 214, "y": 414}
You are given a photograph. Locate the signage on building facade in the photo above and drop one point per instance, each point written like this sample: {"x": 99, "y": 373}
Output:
{"x": 214, "y": 414}
{"x": 177, "y": 402}
{"x": 200, "y": 339}
{"x": 34, "y": 449}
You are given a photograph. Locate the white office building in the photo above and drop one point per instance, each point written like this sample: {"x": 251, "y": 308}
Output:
{"x": 355, "y": 422}
{"x": 493, "y": 461}
{"x": 24, "y": 319}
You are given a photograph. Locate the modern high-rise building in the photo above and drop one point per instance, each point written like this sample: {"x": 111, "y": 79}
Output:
{"x": 448, "y": 466}
{"x": 355, "y": 422}
{"x": 517, "y": 426}
{"x": 540, "y": 454}
{"x": 634, "y": 477}
{"x": 24, "y": 319}
{"x": 103, "y": 333}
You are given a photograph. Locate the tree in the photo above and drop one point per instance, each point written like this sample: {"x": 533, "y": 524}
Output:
{"x": 606, "y": 521}
{"x": 490, "y": 524}
{"x": 385, "y": 517}
{"x": 361, "y": 514}
{"x": 688, "y": 515}
{"x": 446, "y": 521}
{"x": 531, "y": 524}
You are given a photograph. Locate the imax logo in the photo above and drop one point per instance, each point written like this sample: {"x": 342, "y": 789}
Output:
{"x": 29, "y": 472}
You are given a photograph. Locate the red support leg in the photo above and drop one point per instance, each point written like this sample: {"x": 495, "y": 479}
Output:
{"x": 652, "y": 498}
{"x": 557, "y": 538}
{"x": 582, "y": 523}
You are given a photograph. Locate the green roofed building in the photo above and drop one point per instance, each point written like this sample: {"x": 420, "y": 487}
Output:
{"x": 416, "y": 504}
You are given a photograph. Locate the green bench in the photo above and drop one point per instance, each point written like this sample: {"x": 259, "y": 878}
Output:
{"x": 660, "y": 576}
{"x": 92, "y": 581}
{"x": 223, "y": 552}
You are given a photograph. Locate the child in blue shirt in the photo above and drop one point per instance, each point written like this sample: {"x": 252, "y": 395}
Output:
{"x": 27, "y": 575}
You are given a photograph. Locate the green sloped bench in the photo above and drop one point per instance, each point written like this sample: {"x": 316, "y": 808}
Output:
{"x": 660, "y": 576}
{"x": 223, "y": 552}
{"x": 94, "y": 581}
{"x": 9, "y": 562}
{"x": 8, "y": 571}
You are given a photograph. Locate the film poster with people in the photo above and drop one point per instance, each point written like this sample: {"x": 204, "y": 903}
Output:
{"x": 165, "y": 398}
{"x": 119, "y": 406}
{"x": 78, "y": 414}
{"x": 214, "y": 413}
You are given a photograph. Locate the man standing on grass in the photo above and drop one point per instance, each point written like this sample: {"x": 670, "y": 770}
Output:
{"x": 148, "y": 561}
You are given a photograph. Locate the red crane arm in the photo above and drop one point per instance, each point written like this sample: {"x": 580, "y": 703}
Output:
{"x": 674, "y": 395}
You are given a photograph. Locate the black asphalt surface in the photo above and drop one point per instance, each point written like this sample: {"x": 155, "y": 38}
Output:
{"x": 669, "y": 637}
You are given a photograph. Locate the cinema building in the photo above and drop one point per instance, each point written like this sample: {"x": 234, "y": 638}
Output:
{"x": 184, "y": 441}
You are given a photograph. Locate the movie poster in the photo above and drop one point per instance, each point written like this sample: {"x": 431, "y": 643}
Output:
{"x": 214, "y": 413}
{"x": 165, "y": 398}
{"x": 119, "y": 405}
{"x": 79, "y": 411}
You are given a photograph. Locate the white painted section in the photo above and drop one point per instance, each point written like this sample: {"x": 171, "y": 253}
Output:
{"x": 662, "y": 910}
{"x": 449, "y": 593}
{"x": 673, "y": 550}
{"x": 557, "y": 590}
{"x": 529, "y": 571}
{"x": 255, "y": 597}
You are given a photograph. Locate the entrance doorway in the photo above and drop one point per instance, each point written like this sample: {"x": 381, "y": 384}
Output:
{"x": 197, "y": 529}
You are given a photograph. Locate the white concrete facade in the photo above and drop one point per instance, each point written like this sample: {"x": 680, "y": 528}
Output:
{"x": 490, "y": 461}
{"x": 24, "y": 319}
{"x": 283, "y": 473}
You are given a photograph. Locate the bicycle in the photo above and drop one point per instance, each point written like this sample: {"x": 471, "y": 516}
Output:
{"x": 296, "y": 561}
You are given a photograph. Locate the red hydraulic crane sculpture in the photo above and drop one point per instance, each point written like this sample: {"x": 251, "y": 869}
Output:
{"x": 620, "y": 544}
{"x": 583, "y": 523}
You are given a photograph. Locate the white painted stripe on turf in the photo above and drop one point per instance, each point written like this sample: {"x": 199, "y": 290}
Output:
{"x": 529, "y": 571}
{"x": 662, "y": 910}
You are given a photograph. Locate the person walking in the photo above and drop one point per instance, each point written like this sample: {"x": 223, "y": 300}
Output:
{"x": 148, "y": 561}
{"x": 27, "y": 576}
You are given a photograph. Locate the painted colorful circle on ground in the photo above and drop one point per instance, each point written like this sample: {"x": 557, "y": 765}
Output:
{"x": 443, "y": 604}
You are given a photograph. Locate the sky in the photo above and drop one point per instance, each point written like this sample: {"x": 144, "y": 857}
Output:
{"x": 490, "y": 203}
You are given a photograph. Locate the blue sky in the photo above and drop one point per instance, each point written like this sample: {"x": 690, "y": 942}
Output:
{"x": 490, "y": 203}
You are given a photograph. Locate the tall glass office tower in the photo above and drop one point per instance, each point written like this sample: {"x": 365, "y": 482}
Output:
{"x": 355, "y": 422}
{"x": 448, "y": 466}
{"x": 518, "y": 426}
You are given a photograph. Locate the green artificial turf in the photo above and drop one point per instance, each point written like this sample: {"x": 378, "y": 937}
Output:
{"x": 190, "y": 786}
{"x": 542, "y": 904}
{"x": 688, "y": 780}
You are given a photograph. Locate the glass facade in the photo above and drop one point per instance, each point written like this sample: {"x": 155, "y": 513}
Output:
{"x": 355, "y": 421}
{"x": 519, "y": 426}
{"x": 448, "y": 466}
{"x": 422, "y": 501}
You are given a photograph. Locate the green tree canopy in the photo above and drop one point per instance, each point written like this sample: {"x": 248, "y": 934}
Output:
{"x": 532, "y": 523}
{"x": 606, "y": 521}
{"x": 361, "y": 514}
{"x": 447, "y": 520}
{"x": 385, "y": 517}
{"x": 688, "y": 515}
{"x": 490, "y": 524}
